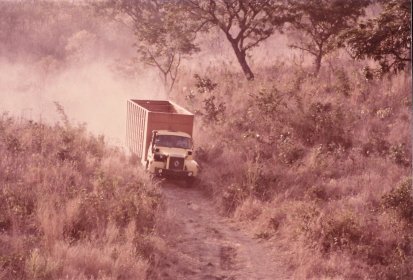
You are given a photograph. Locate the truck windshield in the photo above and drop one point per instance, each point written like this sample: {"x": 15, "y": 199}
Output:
{"x": 172, "y": 141}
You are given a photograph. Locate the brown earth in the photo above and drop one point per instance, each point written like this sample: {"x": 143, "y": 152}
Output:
{"x": 202, "y": 244}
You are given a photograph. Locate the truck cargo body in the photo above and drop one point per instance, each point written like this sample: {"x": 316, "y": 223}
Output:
{"x": 145, "y": 116}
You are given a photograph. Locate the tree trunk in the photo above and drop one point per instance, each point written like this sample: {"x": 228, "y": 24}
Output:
{"x": 317, "y": 63}
{"x": 241, "y": 56}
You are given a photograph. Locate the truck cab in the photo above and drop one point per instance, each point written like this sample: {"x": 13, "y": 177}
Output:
{"x": 159, "y": 133}
{"x": 171, "y": 154}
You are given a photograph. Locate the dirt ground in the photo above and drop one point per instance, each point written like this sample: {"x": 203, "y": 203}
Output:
{"x": 205, "y": 245}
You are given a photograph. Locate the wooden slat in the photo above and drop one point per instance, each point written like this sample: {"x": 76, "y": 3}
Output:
{"x": 144, "y": 116}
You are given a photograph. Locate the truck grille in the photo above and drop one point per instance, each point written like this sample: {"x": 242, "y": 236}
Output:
{"x": 176, "y": 163}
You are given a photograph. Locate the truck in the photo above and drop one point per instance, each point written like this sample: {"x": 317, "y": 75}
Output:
{"x": 159, "y": 133}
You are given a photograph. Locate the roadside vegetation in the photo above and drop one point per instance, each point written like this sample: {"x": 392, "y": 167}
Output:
{"x": 313, "y": 158}
{"x": 70, "y": 206}
{"x": 321, "y": 165}
{"x": 318, "y": 161}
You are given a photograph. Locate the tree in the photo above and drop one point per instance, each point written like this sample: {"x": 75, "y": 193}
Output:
{"x": 245, "y": 23}
{"x": 40, "y": 29}
{"x": 163, "y": 35}
{"x": 320, "y": 23}
{"x": 386, "y": 38}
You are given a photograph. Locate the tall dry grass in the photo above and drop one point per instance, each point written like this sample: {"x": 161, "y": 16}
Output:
{"x": 71, "y": 207}
{"x": 320, "y": 165}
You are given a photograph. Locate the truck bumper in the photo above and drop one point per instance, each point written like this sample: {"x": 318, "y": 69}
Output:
{"x": 173, "y": 173}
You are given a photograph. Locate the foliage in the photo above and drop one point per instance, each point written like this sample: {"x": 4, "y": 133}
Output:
{"x": 343, "y": 83}
{"x": 68, "y": 203}
{"x": 163, "y": 34}
{"x": 245, "y": 23}
{"x": 399, "y": 153}
{"x": 320, "y": 152}
{"x": 323, "y": 123}
{"x": 233, "y": 197}
{"x": 312, "y": 161}
{"x": 26, "y": 28}
{"x": 400, "y": 200}
{"x": 204, "y": 84}
{"x": 386, "y": 38}
{"x": 320, "y": 22}
{"x": 213, "y": 112}
{"x": 338, "y": 231}
{"x": 269, "y": 101}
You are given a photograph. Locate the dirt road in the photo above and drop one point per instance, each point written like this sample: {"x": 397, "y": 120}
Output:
{"x": 205, "y": 245}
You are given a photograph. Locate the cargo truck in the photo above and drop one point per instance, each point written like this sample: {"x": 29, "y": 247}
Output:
{"x": 159, "y": 133}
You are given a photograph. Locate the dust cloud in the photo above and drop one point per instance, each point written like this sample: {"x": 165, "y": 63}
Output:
{"x": 91, "y": 93}
{"x": 83, "y": 62}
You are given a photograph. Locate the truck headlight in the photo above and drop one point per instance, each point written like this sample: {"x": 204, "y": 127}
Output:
{"x": 159, "y": 157}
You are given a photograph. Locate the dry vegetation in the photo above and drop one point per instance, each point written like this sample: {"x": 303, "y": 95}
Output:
{"x": 70, "y": 206}
{"x": 320, "y": 164}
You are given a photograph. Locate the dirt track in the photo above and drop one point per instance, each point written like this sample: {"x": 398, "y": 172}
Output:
{"x": 205, "y": 245}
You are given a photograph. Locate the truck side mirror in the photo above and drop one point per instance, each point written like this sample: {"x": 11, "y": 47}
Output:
{"x": 153, "y": 140}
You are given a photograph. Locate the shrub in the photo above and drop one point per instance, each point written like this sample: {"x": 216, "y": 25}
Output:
{"x": 378, "y": 146}
{"x": 62, "y": 190}
{"x": 339, "y": 231}
{"x": 322, "y": 123}
{"x": 269, "y": 101}
{"x": 317, "y": 193}
{"x": 12, "y": 265}
{"x": 212, "y": 111}
{"x": 343, "y": 83}
{"x": 40, "y": 267}
{"x": 276, "y": 220}
{"x": 233, "y": 196}
{"x": 289, "y": 153}
{"x": 315, "y": 146}
{"x": 305, "y": 216}
{"x": 399, "y": 154}
{"x": 204, "y": 84}
{"x": 400, "y": 200}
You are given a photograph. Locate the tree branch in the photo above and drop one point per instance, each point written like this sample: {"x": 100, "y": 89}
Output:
{"x": 303, "y": 49}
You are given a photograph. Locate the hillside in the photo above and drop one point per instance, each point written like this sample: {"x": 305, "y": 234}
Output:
{"x": 303, "y": 131}
{"x": 319, "y": 165}
{"x": 71, "y": 206}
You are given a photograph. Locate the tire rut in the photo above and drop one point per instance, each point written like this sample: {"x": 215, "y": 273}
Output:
{"x": 204, "y": 245}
